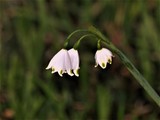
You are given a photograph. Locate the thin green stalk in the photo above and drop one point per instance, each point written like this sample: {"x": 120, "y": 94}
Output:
{"x": 76, "y": 45}
{"x": 69, "y": 37}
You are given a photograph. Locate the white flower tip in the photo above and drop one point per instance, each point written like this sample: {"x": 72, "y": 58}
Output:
{"x": 110, "y": 61}
{"x": 95, "y": 65}
{"x": 76, "y": 72}
{"x": 47, "y": 67}
{"x": 53, "y": 70}
{"x": 70, "y": 72}
{"x": 103, "y": 65}
{"x": 60, "y": 73}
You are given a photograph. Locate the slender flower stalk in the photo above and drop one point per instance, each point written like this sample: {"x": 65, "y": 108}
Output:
{"x": 73, "y": 33}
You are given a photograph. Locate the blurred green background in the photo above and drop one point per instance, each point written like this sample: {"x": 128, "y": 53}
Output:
{"x": 32, "y": 31}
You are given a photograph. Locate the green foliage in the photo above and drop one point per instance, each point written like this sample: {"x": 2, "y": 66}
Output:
{"x": 33, "y": 31}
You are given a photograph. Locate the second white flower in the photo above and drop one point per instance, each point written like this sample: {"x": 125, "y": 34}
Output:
{"x": 102, "y": 57}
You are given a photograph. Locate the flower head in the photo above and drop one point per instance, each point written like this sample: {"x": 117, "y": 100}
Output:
{"x": 103, "y": 56}
{"x": 61, "y": 63}
{"x": 74, "y": 56}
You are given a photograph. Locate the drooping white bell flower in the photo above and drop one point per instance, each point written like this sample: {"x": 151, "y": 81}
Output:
{"x": 102, "y": 57}
{"x": 74, "y": 56}
{"x": 61, "y": 63}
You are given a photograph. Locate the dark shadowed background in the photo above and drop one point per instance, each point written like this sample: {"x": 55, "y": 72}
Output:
{"x": 32, "y": 31}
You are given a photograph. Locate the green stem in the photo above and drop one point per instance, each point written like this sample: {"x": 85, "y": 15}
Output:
{"x": 142, "y": 81}
{"x": 79, "y": 40}
{"x": 99, "y": 44}
{"x": 74, "y": 32}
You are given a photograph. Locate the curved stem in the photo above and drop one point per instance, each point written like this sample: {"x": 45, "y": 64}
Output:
{"x": 79, "y": 40}
{"x": 69, "y": 37}
{"x": 99, "y": 44}
{"x": 142, "y": 81}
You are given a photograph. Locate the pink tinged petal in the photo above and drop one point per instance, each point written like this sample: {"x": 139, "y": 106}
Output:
{"x": 56, "y": 61}
{"x": 101, "y": 59}
{"x": 67, "y": 64}
{"x": 107, "y": 52}
{"x": 102, "y": 62}
{"x": 74, "y": 56}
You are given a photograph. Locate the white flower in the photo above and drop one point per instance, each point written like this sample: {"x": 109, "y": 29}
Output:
{"x": 61, "y": 63}
{"x": 103, "y": 56}
{"x": 74, "y": 56}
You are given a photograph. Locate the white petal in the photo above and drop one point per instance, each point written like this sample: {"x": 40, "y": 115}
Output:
{"x": 109, "y": 60}
{"x": 96, "y": 63}
{"x": 102, "y": 62}
{"x": 101, "y": 59}
{"x": 59, "y": 63}
{"x": 107, "y": 52}
{"x": 67, "y": 61}
{"x": 103, "y": 65}
{"x": 53, "y": 70}
{"x": 70, "y": 72}
{"x": 68, "y": 65}
{"x": 74, "y": 56}
{"x": 76, "y": 72}
{"x": 60, "y": 72}
{"x": 57, "y": 60}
